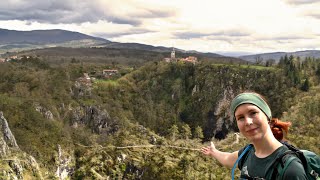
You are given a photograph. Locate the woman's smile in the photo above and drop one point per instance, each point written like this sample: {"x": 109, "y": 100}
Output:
{"x": 252, "y": 131}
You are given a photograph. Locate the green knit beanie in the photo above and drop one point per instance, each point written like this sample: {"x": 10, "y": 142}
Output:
{"x": 250, "y": 98}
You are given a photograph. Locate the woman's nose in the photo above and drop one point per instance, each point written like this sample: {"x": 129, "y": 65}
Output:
{"x": 249, "y": 121}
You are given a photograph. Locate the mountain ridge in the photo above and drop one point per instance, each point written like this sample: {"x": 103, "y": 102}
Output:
{"x": 147, "y": 47}
{"x": 17, "y": 41}
{"x": 42, "y": 36}
{"x": 277, "y": 55}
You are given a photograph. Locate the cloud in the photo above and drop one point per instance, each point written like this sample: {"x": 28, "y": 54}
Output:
{"x": 301, "y": 2}
{"x": 190, "y": 35}
{"x": 211, "y": 35}
{"x": 66, "y": 11}
{"x": 73, "y": 11}
{"x": 315, "y": 15}
{"x": 233, "y": 33}
{"x": 225, "y": 39}
{"x": 291, "y": 38}
{"x": 122, "y": 33}
{"x": 282, "y": 38}
{"x": 307, "y": 8}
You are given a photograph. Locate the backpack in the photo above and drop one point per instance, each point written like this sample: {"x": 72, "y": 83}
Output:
{"x": 310, "y": 162}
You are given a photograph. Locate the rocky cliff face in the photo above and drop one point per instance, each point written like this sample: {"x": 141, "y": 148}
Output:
{"x": 64, "y": 165}
{"x": 14, "y": 163}
{"x": 98, "y": 120}
{"x": 221, "y": 114}
{"x": 7, "y": 139}
{"x": 45, "y": 112}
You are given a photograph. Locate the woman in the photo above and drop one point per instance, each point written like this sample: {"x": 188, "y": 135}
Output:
{"x": 254, "y": 120}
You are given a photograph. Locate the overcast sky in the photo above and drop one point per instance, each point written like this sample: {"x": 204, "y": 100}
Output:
{"x": 219, "y": 26}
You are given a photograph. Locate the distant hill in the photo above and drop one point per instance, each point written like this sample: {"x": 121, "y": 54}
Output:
{"x": 11, "y": 40}
{"x": 146, "y": 47}
{"x": 277, "y": 55}
{"x": 17, "y": 41}
{"x": 136, "y": 46}
{"x": 62, "y": 46}
{"x": 42, "y": 36}
{"x": 126, "y": 56}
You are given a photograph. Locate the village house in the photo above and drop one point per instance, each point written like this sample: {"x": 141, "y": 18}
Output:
{"x": 13, "y": 57}
{"x": 190, "y": 59}
{"x": 107, "y": 73}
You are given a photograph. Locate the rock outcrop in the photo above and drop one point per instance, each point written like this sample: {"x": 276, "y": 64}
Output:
{"x": 7, "y": 139}
{"x": 14, "y": 161}
{"x": 46, "y": 113}
{"x": 221, "y": 114}
{"x": 81, "y": 88}
{"x": 64, "y": 167}
{"x": 98, "y": 120}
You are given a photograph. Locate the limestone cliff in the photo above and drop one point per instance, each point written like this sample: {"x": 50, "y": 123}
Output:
{"x": 7, "y": 139}
{"x": 14, "y": 163}
{"x": 98, "y": 120}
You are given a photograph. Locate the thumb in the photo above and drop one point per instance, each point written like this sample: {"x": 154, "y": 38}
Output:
{"x": 212, "y": 146}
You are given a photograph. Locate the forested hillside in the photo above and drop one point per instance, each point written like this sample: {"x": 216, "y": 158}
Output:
{"x": 142, "y": 123}
{"x": 110, "y": 55}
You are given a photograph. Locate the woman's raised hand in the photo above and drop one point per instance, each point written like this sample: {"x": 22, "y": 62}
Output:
{"x": 209, "y": 149}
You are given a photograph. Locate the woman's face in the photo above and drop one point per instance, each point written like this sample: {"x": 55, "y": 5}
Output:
{"x": 251, "y": 121}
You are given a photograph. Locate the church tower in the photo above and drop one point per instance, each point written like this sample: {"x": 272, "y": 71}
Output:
{"x": 173, "y": 54}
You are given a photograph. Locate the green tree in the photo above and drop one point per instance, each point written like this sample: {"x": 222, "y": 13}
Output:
{"x": 198, "y": 133}
{"x": 186, "y": 131}
{"x": 173, "y": 132}
{"x": 184, "y": 164}
{"x": 258, "y": 60}
{"x": 306, "y": 85}
{"x": 318, "y": 70}
{"x": 270, "y": 62}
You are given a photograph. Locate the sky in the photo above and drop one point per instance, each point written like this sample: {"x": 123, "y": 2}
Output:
{"x": 228, "y": 27}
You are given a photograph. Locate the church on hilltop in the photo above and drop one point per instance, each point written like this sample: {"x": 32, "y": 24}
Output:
{"x": 189, "y": 59}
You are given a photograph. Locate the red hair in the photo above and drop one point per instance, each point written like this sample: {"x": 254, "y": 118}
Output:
{"x": 278, "y": 128}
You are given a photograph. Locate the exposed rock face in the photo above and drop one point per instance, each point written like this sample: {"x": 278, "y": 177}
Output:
{"x": 220, "y": 116}
{"x": 12, "y": 159}
{"x": 64, "y": 170}
{"x": 16, "y": 167}
{"x": 81, "y": 89}
{"x": 98, "y": 120}
{"x": 46, "y": 113}
{"x": 3, "y": 147}
{"x": 6, "y": 137}
{"x": 222, "y": 107}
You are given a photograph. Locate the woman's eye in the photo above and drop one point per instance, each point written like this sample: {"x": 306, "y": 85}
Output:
{"x": 240, "y": 118}
{"x": 253, "y": 113}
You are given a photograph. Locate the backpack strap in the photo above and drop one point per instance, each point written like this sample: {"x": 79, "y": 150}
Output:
{"x": 298, "y": 153}
{"x": 244, "y": 152}
{"x": 286, "y": 164}
{"x": 281, "y": 163}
